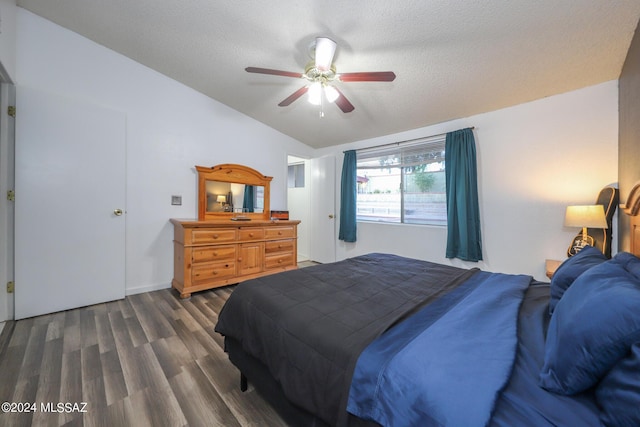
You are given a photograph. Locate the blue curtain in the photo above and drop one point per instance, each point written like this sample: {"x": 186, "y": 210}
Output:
{"x": 348, "y": 194}
{"x": 463, "y": 212}
{"x": 247, "y": 202}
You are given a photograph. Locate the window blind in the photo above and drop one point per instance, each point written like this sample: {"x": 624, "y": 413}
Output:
{"x": 403, "y": 154}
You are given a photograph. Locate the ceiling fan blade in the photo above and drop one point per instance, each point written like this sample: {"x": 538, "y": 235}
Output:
{"x": 272, "y": 72}
{"x": 325, "y": 49}
{"x": 344, "y": 103}
{"x": 295, "y": 95}
{"x": 375, "y": 76}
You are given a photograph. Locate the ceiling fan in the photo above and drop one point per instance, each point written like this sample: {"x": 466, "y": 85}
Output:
{"x": 321, "y": 75}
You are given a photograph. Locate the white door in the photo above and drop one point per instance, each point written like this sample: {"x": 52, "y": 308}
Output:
{"x": 70, "y": 186}
{"x": 322, "y": 246}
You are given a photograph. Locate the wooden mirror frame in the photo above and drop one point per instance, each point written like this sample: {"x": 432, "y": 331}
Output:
{"x": 231, "y": 173}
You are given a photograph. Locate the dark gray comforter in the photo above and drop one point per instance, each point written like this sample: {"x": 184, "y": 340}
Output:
{"x": 309, "y": 326}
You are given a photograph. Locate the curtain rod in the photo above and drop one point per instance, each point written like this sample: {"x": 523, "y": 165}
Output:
{"x": 405, "y": 141}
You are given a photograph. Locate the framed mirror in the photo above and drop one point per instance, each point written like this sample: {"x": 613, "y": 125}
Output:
{"x": 230, "y": 191}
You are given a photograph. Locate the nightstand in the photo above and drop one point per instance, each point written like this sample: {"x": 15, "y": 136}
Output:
{"x": 551, "y": 265}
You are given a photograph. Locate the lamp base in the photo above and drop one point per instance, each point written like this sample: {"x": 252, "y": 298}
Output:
{"x": 580, "y": 242}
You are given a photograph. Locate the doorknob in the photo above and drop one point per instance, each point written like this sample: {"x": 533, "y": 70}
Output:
{"x": 330, "y": 216}
{"x": 117, "y": 212}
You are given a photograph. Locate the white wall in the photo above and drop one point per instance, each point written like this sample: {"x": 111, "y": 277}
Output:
{"x": 534, "y": 159}
{"x": 7, "y": 40}
{"x": 170, "y": 129}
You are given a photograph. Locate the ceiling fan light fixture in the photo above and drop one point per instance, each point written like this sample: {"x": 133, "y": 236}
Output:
{"x": 331, "y": 93}
{"x": 325, "y": 49}
{"x": 315, "y": 93}
{"x": 320, "y": 74}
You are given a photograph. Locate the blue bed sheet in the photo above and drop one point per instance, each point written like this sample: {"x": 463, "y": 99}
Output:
{"x": 523, "y": 402}
{"x": 464, "y": 345}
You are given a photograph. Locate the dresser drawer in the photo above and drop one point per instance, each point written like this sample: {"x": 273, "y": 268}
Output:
{"x": 278, "y": 246}
{"x": 280, "y": 260}
{"x": 203, "y": 273}
{"x": 215, "y": 253}
{"x": 279, "y": 232}
{"x": 252, "y": 233}
{"x": 213, "y": 236}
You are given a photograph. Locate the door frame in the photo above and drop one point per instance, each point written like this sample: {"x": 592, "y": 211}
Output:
{"x": 299, "y": 207}
{"x": 7, "y": 179}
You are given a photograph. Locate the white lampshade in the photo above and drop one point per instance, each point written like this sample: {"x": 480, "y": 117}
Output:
{"x": 587, "y": 216}
{"x": 331, "y": 93}
{"x": 315, "y": 93}
{"x": 325, "y": 49}
{"x": 221, "y": 199}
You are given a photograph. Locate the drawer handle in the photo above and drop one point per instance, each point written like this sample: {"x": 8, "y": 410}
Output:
{"x": 215, "y": 236}
{"x": 250, "y": 234}
{"x": 279, "y": 261}
{"x": 279, "y": 233}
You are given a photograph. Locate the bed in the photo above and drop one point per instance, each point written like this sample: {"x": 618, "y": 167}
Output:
{"x": 381, "y": 339}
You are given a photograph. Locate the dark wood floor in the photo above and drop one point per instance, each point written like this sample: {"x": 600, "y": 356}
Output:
{"x": 150, "y": 359}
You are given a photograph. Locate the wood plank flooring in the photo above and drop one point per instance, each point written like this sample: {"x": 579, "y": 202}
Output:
{"x": 149, "y": 360}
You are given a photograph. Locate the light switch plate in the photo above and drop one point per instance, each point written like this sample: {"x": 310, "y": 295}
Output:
{"x": 176, "y": 200}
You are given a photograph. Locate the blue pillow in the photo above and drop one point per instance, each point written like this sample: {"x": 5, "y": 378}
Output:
{"x": 570, "y": 269}
{"x": 618, "y": 394}
{"x": 593, "y": 326}
{"x": 629, "y": 262}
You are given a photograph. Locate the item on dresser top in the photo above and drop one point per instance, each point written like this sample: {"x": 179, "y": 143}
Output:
{"x": 279, "y": 214}
{"x": 246, "y": 192}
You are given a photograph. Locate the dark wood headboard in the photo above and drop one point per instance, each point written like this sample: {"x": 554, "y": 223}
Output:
{"x": 631, "y": 209}
{"x": 629, "y": 140}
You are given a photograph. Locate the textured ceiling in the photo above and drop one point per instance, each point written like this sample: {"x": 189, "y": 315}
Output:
{"x": 452, "y": 58}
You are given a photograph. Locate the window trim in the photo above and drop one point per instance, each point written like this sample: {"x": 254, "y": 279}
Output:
{"x": 402, "y": 150}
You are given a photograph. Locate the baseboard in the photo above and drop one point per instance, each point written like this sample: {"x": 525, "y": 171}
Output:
{"x": 148, "y": 288}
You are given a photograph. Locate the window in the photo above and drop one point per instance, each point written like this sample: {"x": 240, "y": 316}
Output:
{"x": 403, "y": 183}
{"x": 296, "y": 175}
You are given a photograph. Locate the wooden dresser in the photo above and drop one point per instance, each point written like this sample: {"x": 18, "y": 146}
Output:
{"x": 214, "y": 253}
